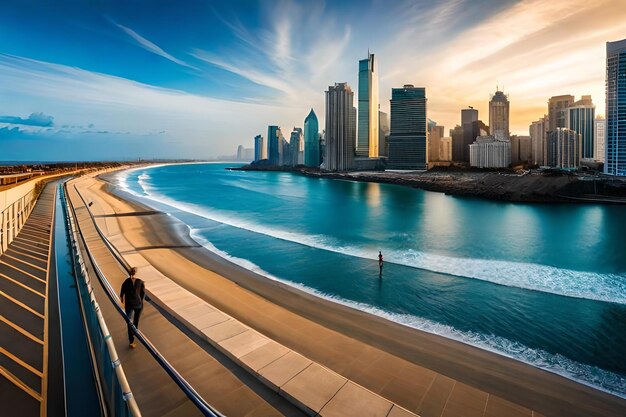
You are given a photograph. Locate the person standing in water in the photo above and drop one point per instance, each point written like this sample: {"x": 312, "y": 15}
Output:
{"x": 131, "y": 296}
{"x": 380, "y": 262}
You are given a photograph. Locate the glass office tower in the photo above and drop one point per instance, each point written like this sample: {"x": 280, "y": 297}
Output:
{"x": 615, "y": 139}
{"x": 368, "y": 135}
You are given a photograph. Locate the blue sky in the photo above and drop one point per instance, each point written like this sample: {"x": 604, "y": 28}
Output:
{"x": 128, "y": 79}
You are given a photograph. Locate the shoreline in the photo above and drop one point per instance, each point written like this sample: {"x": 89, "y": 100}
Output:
{"x": 396, "y": 338}
{"x": 530, "y": 187}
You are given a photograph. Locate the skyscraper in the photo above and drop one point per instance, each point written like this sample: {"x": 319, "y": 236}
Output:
{"x": 407, "y": 138}
{"x": 434, "y": 143}
{"x": 259, "y": 150}
{"x": 599, "y": 138}
{"x": 468, "y": 117}
{"x": 580, "y": 118}
{"x": 367, "y": 143}
{"x": 499, "y": 116}
{"x": 240, "y": 152}
{"x": 556, "y": 110}
{"x": 456, "y": 137}
{"x": 562, "y": 146}
{"x": 521, "y": 149}
{"x": 383, "y": 133}
{"x": 274, "y": 144}
{"x": 311, "y": 141}
{"x": 538, "y": 132}
{"x": 340, "y": 116}
{"x": 615, "y": 139}
{"x": 296, "y": 146}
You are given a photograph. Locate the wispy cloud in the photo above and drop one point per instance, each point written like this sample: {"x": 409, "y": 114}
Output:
{"x": 205, "y": 126}
{"x": 152, "y": 47}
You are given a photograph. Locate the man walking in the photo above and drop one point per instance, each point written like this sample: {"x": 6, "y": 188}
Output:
{"x": 380, "y": 262}
{"x": 131, "y": 295}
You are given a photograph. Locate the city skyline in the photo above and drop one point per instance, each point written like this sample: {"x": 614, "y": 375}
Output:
{"x": 183, "y": 93}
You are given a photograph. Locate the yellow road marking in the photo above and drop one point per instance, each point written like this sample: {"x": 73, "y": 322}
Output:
{"x": 18, "y": 383}
{"x": 24, "y": 262}
{"x": 21, "y": 362}
{"x": 27, "y": 242}
{"x": 22, "y": 271}
{"x": 25, "y": 254}
{"x": 33, "y": 233}
{"x": 32, "y": 237}
{"x": 24, "y": 332}
{"x": 21, "y": 304}
{"x": 22, "y": 285}
{"x": 23, "y": 247}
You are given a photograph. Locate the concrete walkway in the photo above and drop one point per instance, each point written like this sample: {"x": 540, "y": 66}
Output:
{"x": 31, "y": 382}
{"x": 216, "y": 378}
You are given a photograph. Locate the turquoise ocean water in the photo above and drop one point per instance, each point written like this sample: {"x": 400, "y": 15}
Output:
{"x": 545, "y": 284}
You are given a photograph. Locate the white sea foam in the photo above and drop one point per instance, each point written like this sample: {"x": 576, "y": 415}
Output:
{"x": 557, "y": 364}
{"x": 530, "y": 276}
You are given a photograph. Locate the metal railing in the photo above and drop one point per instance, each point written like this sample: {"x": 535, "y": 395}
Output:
{"x": 114, "y": 386}
{"x": 203, "y": 406}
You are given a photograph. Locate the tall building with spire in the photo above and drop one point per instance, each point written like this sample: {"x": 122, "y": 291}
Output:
{"x": 615, "y": 139}
{"x": 407, "y": 138}
{"x": 580, "y": 117}
{"x": 340, "y": 128}
{"x": 368, "y": 135}
{"x": 311, "y": 141}
{"x": 499, "y": 116}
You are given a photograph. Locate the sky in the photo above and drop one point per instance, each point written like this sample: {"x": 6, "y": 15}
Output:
{"x": 113, "y": 79}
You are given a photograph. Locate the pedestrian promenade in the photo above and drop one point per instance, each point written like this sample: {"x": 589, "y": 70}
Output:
{"x": 30, "y": 356}
{"x": 227, "y": 387}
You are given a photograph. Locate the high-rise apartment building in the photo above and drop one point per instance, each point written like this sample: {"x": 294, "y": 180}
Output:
{"x": 240, "y": 152}
{"x": 538, "y": 131}
{"x": 599, "y": 139}
{"x": 489, "y": 152}
{"x": 434, "y": 143}
{"x": 468, "y": 117}
{"x": 407, "y": 138}
{"x": 562, "y": 148}
{"x": 259, "y": 149}
{"x": 340, "y": 129}
{"x": 580, "y": 117}
{"x": 274, "y": 144}
{"x": 445, "y": 149}
{"x": 296, "y": 146}
{"x": 311, "y": 141}
{"x": 456, "y": 137}
{"x": 521, "y": 149}
{"x": 368, "y": 135}
{"x": 615, "y": 139}
{"x": 499, "y": 116}
{"x": 556, "y": 110}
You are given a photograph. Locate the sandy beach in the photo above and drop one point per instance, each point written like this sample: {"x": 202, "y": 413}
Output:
{"x": 420, "y": 371}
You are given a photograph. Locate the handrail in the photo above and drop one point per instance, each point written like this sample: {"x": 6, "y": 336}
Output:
{"x": 204, "y": 407}
{"x": 115, "y": 361}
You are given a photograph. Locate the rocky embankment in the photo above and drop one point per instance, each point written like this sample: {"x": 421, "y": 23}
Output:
{"x": 529, "y": 186}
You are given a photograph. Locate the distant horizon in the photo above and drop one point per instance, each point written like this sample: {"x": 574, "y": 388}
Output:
{"x": 197, "y": 80}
